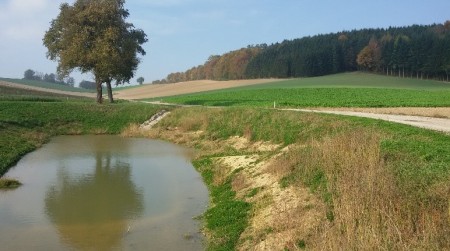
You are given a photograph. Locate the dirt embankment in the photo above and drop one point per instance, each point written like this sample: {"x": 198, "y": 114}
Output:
{"x": 280, "y": 216}
{"x": 164, "y": 90}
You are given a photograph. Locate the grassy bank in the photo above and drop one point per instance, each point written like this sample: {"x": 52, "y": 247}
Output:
{"x": 357, "y": 183}
{"x": 279, "y": 179}
{"x": 25, "y": 125}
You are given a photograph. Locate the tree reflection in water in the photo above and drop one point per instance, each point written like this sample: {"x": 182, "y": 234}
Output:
{"x": 93, "y": 212}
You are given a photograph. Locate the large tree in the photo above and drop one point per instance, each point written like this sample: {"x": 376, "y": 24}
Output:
{"x": 93, "y": 36}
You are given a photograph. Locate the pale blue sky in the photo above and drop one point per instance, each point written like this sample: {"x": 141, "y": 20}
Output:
{"x": 184, "y": 33}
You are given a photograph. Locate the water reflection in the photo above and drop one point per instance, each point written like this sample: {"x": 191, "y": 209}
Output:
{"x": 85, "y": 192}
{"x": 80, "y": 208}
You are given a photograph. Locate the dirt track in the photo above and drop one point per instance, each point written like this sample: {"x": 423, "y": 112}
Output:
{"x": 436, "y": 124}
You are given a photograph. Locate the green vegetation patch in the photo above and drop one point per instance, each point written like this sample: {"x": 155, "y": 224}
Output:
{"x": 9, "y": 184}
{"x": 319, "y": 97}
{"x": 354, "y": 80}
{"x": 17, "y": 94}
{"x": 341, "y": 90}
{"x": 227, "y": 218}
{"x": 359, "y": 167}
{"x": 46, "y": 85}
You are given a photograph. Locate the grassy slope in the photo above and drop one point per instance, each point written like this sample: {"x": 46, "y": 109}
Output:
{"x": 46, "y": 85}
{"x": 417, "y": 159}
{"x": 341, "y": 90}
{"x": 385, "y": 185}
{"x": 17, "y": 94}
{"x": 24, "y": 126}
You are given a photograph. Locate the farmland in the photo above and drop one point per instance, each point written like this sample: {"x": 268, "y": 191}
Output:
{"x": 339, "y": 164}
{"x": 46, "y": 85}
{"x": 342, "y": 90}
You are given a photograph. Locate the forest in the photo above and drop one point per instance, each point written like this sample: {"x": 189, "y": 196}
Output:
{"x": 417, "y": 51}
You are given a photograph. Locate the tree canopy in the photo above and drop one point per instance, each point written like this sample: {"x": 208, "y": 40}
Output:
{"x": 140, "y": 80}
{"x": 93, "y": 36}
{"x": 421, "y": 51}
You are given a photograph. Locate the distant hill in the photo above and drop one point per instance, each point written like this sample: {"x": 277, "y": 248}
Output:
{"x": 46, "y": 85}
{"x": 419, "y": 51}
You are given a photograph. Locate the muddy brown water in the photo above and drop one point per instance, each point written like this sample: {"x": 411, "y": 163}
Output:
{"x": 103, "y": 193}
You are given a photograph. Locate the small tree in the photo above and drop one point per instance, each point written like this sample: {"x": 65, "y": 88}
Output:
{"x": 140, "y": 80}
{"x": 29, "y": 74}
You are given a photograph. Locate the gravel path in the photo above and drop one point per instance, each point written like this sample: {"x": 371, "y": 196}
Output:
{"x": 437, "y": 124}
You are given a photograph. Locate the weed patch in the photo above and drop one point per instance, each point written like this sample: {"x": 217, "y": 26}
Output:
{"x": 385, "y": 186}
{"x": 9, "y": 184}
{"x": 227, "y": 218}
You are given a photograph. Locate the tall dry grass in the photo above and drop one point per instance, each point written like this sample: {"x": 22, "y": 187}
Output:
{"x": 370, "y": 207}
{"x": 370, "y": 211}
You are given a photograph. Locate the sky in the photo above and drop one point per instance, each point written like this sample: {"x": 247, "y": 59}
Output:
{"x": 184, "y": 33}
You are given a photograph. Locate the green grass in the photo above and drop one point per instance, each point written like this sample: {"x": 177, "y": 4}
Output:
{"x": 24, "y": 126}
{"x": 355, "y": 80}
{"x": 46, "y": 85}
{"x": 17, "y": 94}
{"x": 342, "y": 90}
{"x": 414, "y": 163}
{"x": 228, "y": 217}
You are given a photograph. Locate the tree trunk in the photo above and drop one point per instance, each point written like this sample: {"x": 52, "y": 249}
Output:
{"x": 110, "y": 94}
{"x": 99, "y": 92}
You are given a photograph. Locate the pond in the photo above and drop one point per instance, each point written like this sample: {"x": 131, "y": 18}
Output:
{"x": 103, "y": 193}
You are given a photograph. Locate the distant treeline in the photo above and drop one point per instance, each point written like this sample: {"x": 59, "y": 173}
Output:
{"x": 421, "y": 51}
{"x": 49, "y": 78}
{"x": 54, "y": 78}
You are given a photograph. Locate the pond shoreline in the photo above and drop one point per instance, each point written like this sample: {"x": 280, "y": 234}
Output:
{"x": 96, "y": 188}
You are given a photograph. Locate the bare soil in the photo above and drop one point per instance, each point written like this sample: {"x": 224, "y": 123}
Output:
{"x": 436, "y": 112}
{"x": 164, "y": 90}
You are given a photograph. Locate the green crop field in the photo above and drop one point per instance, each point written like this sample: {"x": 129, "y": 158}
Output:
{"x": 46, "y": 85}
{"x": 355, "y": 80}
{"x": 17, "y": 94}
{"x": 341, "y": 90}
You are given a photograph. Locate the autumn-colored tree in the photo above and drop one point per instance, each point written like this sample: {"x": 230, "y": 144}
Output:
{"x": 370, "y": 56}
{"x": 93, "y": 36}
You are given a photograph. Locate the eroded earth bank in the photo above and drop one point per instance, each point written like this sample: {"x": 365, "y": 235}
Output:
{"x": 287, "y": 180}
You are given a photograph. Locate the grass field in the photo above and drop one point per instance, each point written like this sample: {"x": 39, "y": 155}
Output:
{"x": 16, "y": 94}
{"x": 342, "y": 90}
{"x": 46, "y": 85}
